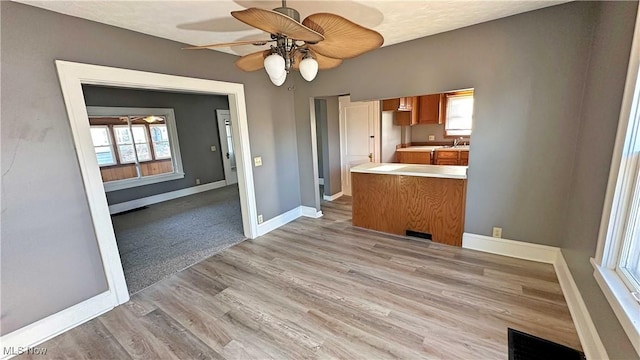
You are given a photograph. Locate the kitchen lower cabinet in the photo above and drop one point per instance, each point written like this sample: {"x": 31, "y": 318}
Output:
{"x": 395, "y": 204}
{"x": 451, "y": 157}
{"x": 414, "y": 157}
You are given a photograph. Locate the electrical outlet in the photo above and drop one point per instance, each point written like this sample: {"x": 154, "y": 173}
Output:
{"x": 257, "y": 161}
{"x": 197, "y": 181}
{"x": 432, "y": 137}
{"x": 213, "y": 148}
{"x": 260, "y": 221}
{"x": 497, "y": 232}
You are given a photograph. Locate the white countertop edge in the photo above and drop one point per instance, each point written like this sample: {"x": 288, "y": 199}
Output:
{"x": 435, "y": 171}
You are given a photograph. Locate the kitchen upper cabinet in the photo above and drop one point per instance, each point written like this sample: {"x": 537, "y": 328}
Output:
{"x": 390, "y": 104}
{"x": 429, "y": 109}
{"x": 405, "y": 110}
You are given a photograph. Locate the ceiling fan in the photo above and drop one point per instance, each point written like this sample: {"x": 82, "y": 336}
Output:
{"x": 321, "y": 41}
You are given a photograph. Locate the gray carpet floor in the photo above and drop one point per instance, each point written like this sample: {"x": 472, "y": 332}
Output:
{"x": 170, "y": 236}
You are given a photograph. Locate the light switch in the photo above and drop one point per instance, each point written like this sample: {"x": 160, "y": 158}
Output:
{"x": 213, "y": 148}
{"x": 257, "y": 161}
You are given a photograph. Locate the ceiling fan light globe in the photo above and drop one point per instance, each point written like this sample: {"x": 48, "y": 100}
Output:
{"x": 274, "y": 65}
{"x": 309, "y": 68}
{"x": 279, "y": 81}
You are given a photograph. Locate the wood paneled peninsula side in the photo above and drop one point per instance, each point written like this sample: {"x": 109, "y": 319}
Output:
{"x": 396, "y": 198}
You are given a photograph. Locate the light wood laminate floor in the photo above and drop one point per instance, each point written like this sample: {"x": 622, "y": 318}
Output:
{"x": 320, "y": 288}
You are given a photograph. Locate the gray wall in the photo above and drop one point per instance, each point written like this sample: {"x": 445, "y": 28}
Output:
{"x": 333, "y": 146}
{"x": 390, "y": 136}
{"x": 321, "y": 134}
{"x": 600, "y": 113}
{"x": 420, "y": 133}
{"x": 328, "y": 121}
{"x": 529, "y": 72}
{"x": 197, "y": 128}
{"x": 49, "y": 256}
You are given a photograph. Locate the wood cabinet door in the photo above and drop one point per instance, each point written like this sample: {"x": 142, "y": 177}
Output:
{"x": 414, "y": 157}
{"x": 444, "y": 157}
{"x": 429, "y": 109}
{"x": 390, "y": 104}
{"x": 406, "y": 103}
{"x": 464, "y": 158}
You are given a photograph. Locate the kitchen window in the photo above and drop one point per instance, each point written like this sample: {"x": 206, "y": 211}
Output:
{"x": 135, "y": 146}
{"x": 459, "y": 114}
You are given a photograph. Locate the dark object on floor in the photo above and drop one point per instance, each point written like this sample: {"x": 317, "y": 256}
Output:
{"x": 418, "y": 234}
{"x": 523, "y": 346}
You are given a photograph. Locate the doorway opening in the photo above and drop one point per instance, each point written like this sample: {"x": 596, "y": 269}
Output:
{"x": 72, "y": 77}
{"x": 167, "y": 176}
{"x": 344, "y": 134}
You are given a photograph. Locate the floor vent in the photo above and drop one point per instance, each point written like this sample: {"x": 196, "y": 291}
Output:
{"x": 418, "y": 234}
{"x": 523, "y": 346}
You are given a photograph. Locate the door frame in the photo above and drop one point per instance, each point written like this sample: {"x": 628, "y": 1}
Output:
{"x": 376, "y": 133}
{"x": 72, "y": 76}
{"x": 222, "y": 134}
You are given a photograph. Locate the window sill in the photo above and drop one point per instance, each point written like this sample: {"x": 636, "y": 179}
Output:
{"x": 622, "y": 302}
{"x": 147, "y": 180}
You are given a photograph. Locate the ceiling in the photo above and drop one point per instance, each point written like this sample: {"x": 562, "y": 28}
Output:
{"x": 209, "y": 21}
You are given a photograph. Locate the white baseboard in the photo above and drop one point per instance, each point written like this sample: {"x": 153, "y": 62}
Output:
{"x": 150, "y": 200}
{"x": 589, "y": 338}
{"x": 512, "y": 248}
{"x": 311, "y": 212}
{"x": 278, "y": 221}
{"x": 591, "y": 344}
{"x": 333, "y": 197}
{"x": 53, "y": 325}
{"x": 287, "y": 217}
{"x": 321, "y": 181}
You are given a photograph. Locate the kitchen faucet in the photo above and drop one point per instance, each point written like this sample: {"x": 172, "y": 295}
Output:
{"x": 456, "y": 141}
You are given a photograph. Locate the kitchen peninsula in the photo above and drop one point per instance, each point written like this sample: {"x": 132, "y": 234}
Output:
{"x": 424, "y": 199}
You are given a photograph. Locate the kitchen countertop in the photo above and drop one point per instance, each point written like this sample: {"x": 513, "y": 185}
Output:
{"x": 433, "y": 148}
{"x": 438, "y": 171}
{"x": 419, "y": 148}
{"x": 453, "y": 148}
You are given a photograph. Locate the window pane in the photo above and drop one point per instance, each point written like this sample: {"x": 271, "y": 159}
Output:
{"x": 100, "y": 136}
{"x": 159, "y": 133}
{"x": 630, "y": 260}
{"x": 123, "y": 136}
{"x": 139, "y": 134}
{"x": 126, "y": 154}
{"x": 459, "y": 113}
{"x": 105, "y": 155}
{"x": 162, "y": 150}
{"x": 143, "y": 152}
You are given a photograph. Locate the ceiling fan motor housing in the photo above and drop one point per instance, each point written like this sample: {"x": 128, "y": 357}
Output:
{"x": 292, "y": 13}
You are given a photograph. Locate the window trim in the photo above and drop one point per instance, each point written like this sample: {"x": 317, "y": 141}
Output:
{"x": 616, "y": 207}
{"x": 176, "y": 158}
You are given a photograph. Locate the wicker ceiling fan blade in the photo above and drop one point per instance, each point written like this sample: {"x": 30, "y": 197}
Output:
{"x": 252, "y": 62}
{"x": 343, "y": 39}
{"x": 324, "y": 62}
{"x": 274, "y": 22}
{"x": 228, "y": 44}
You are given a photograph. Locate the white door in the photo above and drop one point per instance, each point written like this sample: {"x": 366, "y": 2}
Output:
{"x": 226, "y": 146}
{"x": 359, "y": 136}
